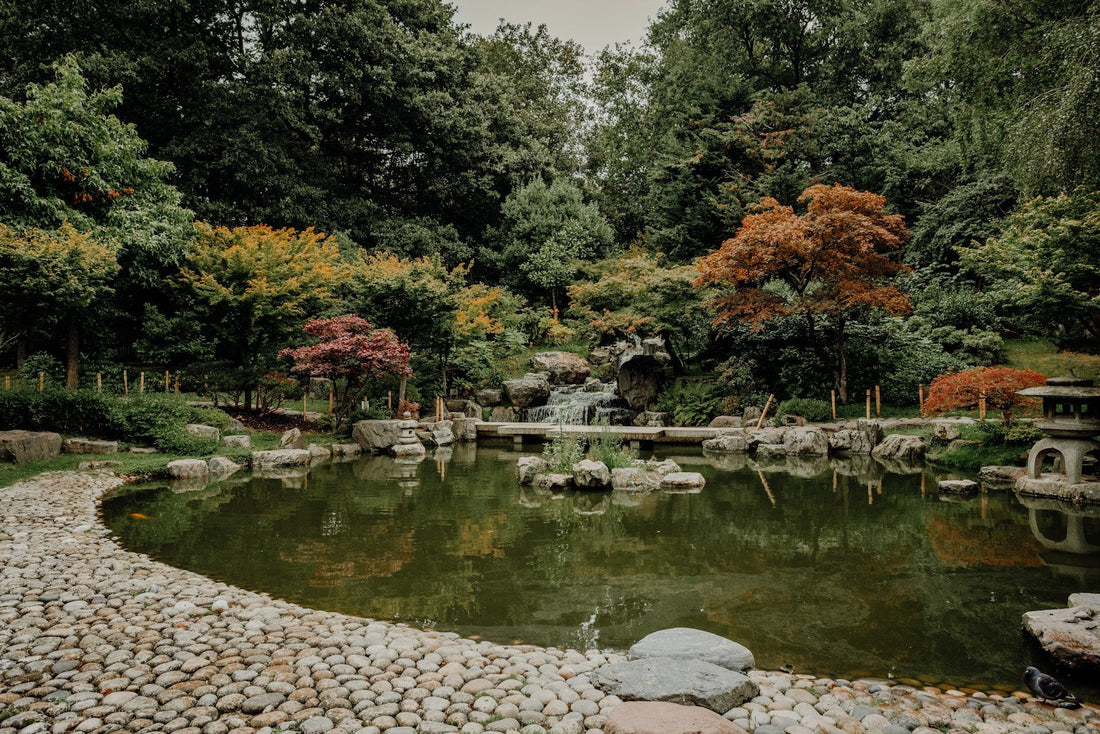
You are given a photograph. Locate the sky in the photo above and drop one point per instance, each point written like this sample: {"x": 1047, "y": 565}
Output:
{"x": 591, "y": 23}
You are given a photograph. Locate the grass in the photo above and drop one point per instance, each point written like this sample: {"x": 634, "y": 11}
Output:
{"x": 1042, "y": 356}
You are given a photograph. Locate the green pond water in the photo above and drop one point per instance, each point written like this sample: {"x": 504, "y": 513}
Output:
{"x": 834, "y": 568}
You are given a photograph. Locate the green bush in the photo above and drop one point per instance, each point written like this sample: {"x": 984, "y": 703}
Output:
{"x": 815, "y": 411}
{"x": 1017, "y": 434}
{"x": 608, "y": 447}
{"x": 53, "y": 372}
{"x": 563, "y": 451}
{"x": 691, "y": 402}
{"x": 65, "y": 411}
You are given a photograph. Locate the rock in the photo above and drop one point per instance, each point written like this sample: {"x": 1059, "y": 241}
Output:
{"x": 443, "y": 436}
{"x": 901, "y": 448}
{"x": 790, "y": 419}
{"x": 958, "y": 486}
{"x": 20, "y": 446}
{"x": 555, "y": 482}
{"x": 770, "y": 450}
{"x": 873, "y": 429}
{"x": 279, "y": 457}
{"x": 1000, "y": 475}
{"x": 676, "y": 681}
{"x": 222, "y": 467}
{"x": 1088, "y": 602}
{"x": 408, "y": 450}
{"x": 588, "y": 474}
{"x": 766, "y": 436}
{"x": 638, "y": 380}
{"x": 1069, "y": 636}
{"x": 502, "y": 414}
{"x": 489, "y": 397}
{"x": 529, "y": 467}
{"x": 685, "y": 643}
{"x": 292, "y": 439}
{"x": 465, "y": 429}
{"x": 683, "y": 481}
{"x": 652, "y": 419}
{"x": 728, "y": 443}
{"x": 806, "y": 441}
{"x": 944, "y": 431}
{"x": 86, "y": 465}
{"x": 725, "y": 421}
{"x": 593, "y": 384}
{"x": 565, "y": 368}
{"x": 630, "y": 478}
{"x": 88, "y": 446}
{"x": 376, "y": 436}
{"x": 659, "y": 717}
{"x": 751, "y": 416}
{"x": 317, "y": 453}
{"x": 188, "y": 469}
{"x": 530, "y": 390}
{"x": 346, "y": 449}
{"x": 851, "y": 442}
{"x": 204, "y": 431}
{"x": 463, "y": 409}
{"x": 662, "y": 468}
{"x": 238, "y": 441}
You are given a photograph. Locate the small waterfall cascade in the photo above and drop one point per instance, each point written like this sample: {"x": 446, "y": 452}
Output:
{"x": 571, "y": 405}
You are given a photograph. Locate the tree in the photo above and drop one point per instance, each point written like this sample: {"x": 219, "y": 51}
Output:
{"x": 255, "y": 284}
{"x": 350, "y": 352}
{"x": 998, "y": 385}
{"x": 52, "y": 277}
{"x": 833, "y": 261}
{"x": 1043, "y": 270}
{"x": 65, "y": 158}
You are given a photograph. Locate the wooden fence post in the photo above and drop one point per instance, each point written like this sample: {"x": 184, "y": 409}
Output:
{"x": 99, "y": 382}
{"x": 878, "y": 402}
{"x": 125, "y": 383}
{"x": 41, "y": 381}
{"x": 764, "y": 412}
{"x": 920, "y": 397}
{"x": 330, "y": 395}
{"x": 141, "y": 387}
{"x": 868, "y": 403}
{"x": 834, "y": 403}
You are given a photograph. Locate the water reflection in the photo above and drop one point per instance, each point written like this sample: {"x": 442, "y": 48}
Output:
{"x": 839, "y": 568}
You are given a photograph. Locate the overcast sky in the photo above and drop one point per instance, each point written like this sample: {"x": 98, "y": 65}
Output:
{"x": 591, "y": 23}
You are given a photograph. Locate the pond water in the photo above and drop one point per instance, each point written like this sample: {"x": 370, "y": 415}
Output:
{"x": 833, "y": 568}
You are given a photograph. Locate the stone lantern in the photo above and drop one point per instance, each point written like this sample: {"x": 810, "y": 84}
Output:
{"x": 1071, "y": 422}
{"x": 408, "y": 445}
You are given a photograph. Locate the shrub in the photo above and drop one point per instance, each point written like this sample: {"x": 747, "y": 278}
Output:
{"x": 607, "y": 447}
{"x": 562, "y": 452}
{"x": 53, "y": 372}
{"x": 691, "y": 403}
{"x": 812, "y": 410}
{"x": 998, "y": 385}
{"x": 65, "y": 411}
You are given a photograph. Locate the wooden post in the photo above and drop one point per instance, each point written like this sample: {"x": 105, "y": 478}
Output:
{"x": 981, "y": 408}
{"x": 41, "y": 381}
{"x": 303, "y": 406}
{"x": 125, "y": 383}
{"x": 834, "y": 403}
{"x": 166, "y": 384}
{"x": 330, "y": 395}
{"x": 764, "y": 412}
{"x": 7, "y": 382}
{"x": 99, "y": 382}
{"x": 141, "y": 387}
{"x": 920, "y": 397}
{"x": 878, "y": 402}
{"x": 177, "y": 383}
{"x": 389, "y": 400}
{"x": 868, "y": 403}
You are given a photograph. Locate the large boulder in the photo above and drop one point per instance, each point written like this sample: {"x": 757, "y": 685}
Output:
{"x": 465, "y": 429}
{"x": 292, "y": 439}
{"x": 692, "y": 682}
{"x": 945, "y": 431}
{"x": 280, "y": 458}
{"x": 530, "y": 390}
{"x": 588, "y": 474}
{"x": 1070, "y": 636}
{"x": 851, "y": 442}
{"x": 376, "y": 436}
{"x": 632, "y": 478}
{"x": 683, "y": 481}
{"x": 20, "y": 446}
{"x": 188, "y": 469}
{"x": 238, "y": 441}
{"x": 725, "y": 421}
{"x": 564, "y": 368}
{"x": 221, "y": 467}
{"x": 204, "y": 431}
{"x": 489, "y": 397}
{"x": 639, "y": 380}
{"x": 529, "y": 467}
{"x": 502, "y": 414}
{"x": 806, "y": 442}
{"x": 901, "y": 448}
{"x": 660, "y": 717}
{"x": 872, "y": 427}
{"x": 652, "y": 419}
{"x": 728, "y": 443}
{"x": 685, "y": 643}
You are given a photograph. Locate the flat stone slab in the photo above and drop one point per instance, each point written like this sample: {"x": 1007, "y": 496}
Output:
{"x": 691, "y": 682}
{"x": 280, "y": 457}
{"x": 659, "y": 717}
{"x": 89, "y": 446}
{"x": 1070, "y": 636}
{"x": 958, "y": 486}
{"x": 685, "y": 643}
{"x": 1054, "y": 486}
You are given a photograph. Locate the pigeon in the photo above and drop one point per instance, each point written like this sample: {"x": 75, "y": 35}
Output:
{"x": 1048, "y": 688}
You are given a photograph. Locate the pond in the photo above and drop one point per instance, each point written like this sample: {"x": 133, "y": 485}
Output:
{"x": 833, "y": 568}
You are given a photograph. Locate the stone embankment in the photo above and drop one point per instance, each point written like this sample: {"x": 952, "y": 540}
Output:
{"x": 95, "y": 639}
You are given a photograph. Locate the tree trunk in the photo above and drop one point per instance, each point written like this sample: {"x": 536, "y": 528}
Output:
{"x": 72, "y": 355}
{"x": 841, "y": 365}
{"x": 20, "y": 352}
{"x": 401, "y": 392}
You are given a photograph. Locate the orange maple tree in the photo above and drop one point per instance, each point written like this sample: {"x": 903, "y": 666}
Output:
{"x": 998, "y": 385}
{"x": 829, "y": 262}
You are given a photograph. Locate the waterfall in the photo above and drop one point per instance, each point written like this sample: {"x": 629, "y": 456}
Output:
{"x": 571, "y": 405}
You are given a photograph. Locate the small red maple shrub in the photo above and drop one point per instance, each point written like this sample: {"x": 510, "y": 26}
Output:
{"x": 999, "y": 385}
{"x": 350, "y": 352}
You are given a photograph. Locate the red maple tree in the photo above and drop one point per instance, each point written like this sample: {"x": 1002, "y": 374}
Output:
{"x": 998, "y": 385}
{"x": 350, "y": 352}
{"x": 831, "y": 261}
